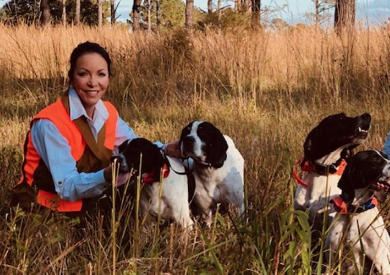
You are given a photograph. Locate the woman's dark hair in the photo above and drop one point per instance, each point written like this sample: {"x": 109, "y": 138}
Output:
{"x": 84, "y": 48}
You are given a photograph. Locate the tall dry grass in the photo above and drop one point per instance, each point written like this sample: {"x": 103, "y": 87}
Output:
{"x": 264, "y": 89}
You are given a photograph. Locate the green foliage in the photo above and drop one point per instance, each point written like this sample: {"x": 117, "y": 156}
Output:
{"x": 20, "y": 10}
{"x": 163, "y": 14}
{"x": 28, "y": 11}
{"x": 225, "y": 19}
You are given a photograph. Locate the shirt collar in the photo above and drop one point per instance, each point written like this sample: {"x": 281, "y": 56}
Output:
{"x": 77, "y": 109}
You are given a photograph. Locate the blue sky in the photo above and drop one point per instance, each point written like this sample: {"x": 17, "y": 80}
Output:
{"x": 373, "y": 10}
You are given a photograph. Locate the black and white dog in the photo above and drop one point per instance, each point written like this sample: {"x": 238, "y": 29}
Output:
{"x": 359, "y": 229}
{"x": 325, "y": 149}
{"x": 174, "y": 202}
{"x": 218, "y": 168}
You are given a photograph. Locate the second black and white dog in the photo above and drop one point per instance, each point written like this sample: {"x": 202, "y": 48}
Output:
{"x": 325, "y": 149}
{"x": 176, "y": 189}
{"x": 218, "y": 168}
{"x": 359, "y": 229}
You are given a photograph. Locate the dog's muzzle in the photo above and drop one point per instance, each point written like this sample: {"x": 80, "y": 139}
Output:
{"x": 187, "y": 145}
{"x": 382, "y": 184}
{"x": 122, "y": 163}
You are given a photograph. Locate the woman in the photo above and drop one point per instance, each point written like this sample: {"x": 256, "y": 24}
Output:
{"x": 68, "y": 149}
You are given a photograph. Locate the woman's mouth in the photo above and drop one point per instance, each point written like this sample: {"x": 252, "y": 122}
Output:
{"x": 92, "y": 93}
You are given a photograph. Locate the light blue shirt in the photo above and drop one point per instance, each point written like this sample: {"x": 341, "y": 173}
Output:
{"x": 386, "y": 146}
{"x": 55, "y": 151}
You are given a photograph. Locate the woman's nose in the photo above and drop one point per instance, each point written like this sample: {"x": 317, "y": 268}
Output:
{"x": 92, "y": 82}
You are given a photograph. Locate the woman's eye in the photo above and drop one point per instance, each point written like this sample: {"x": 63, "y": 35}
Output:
{"x": 82, "y": 74}
{"x": 102, "y": 74}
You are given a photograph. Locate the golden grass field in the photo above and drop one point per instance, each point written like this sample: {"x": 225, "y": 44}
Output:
{"x": 266, "y": 90}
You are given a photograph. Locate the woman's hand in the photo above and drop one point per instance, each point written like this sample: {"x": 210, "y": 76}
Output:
{"x": 172, "y": 149}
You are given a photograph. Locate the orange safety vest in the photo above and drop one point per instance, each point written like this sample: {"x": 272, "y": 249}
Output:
{"x": 90, "y": 156}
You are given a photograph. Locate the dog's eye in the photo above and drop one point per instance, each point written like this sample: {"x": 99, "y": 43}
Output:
{"x": 201, "y": 130}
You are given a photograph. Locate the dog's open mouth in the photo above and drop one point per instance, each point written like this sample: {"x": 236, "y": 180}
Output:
{"x": 360, "y": 134}
{"x": 381, "y": 185}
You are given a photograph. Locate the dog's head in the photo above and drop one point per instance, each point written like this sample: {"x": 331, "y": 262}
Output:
{"x": 367, "y": 172}
{"x": 130, "y": 153}
{"x": 336, "y": 132}
{"x": 203, "y": 142}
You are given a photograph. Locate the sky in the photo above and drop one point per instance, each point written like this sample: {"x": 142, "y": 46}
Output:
{"x": 375, "y": 11}
{"x": 372, "y": 11}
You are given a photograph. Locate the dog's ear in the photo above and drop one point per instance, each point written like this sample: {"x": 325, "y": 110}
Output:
{"x": 346, "y": 186}
{"x": 217, "y": 149}
{"x": 352, "y": 178}
{"x": 308, "y": 148}
{"x": 158, "y": 158}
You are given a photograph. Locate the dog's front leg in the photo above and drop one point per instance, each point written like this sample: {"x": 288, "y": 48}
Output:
{"x": 378, "y": 246}
{"x": 334, "y": 241}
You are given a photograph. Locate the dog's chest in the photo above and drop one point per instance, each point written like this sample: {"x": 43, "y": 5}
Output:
{"x": 321, "y": 186}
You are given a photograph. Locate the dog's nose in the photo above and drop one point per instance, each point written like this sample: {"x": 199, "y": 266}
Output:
{"x": 366, "y": 116}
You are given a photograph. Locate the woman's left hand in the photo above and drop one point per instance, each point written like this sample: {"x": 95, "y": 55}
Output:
{"x": 172, "y": 149}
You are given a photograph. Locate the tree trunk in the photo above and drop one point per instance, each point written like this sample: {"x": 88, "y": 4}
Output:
{"x": 189, "y": 13}
{"x": 247, "y": 6}
{"x": 158, "y": 14}
{"x": 100, "y": 13}
{"x": 256, "y": 8}
{"x": 149, "y": 17}
{"x": 344, "y": 17}
{"x": 210, "y": 6}
{"x": 219, "y": 9}
{"x": 78, "y": 7}
{"x": 237, "y": 6}
{"x": 317, "y": 15}
{"x": 45, "y": 10}
{"x": 136, "y": 14}
{"x": 64, "y": 13}
{"x": 113, "y": 12}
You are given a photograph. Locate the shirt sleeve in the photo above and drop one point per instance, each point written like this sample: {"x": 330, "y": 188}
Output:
{"x": 386, "y": 146}
{"x": 125, "y": 132}
{"x": 55, "y": 151}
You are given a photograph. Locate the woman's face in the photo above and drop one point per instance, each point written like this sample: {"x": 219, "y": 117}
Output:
{"x": 90, "y": 80}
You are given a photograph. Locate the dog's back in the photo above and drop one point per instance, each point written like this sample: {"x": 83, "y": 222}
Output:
{"x": 168, "y": 200}
{"x": 173, "y": 202}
